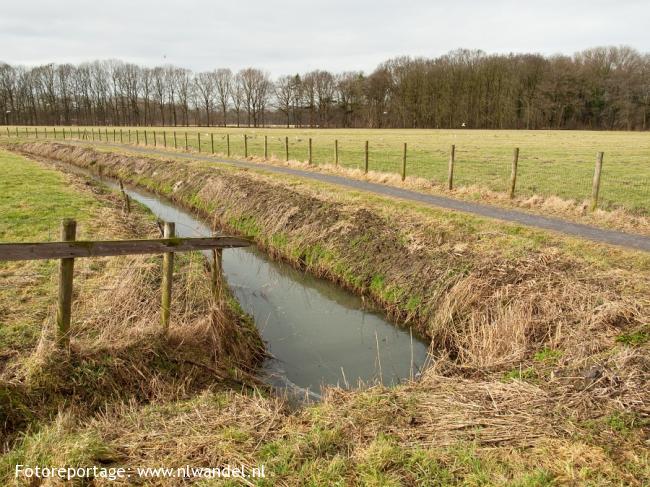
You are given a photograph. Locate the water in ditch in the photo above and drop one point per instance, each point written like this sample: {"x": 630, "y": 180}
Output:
{"x": 318, "y": 333}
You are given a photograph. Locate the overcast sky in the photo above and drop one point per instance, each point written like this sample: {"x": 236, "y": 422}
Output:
{"x": 293, "y": 35}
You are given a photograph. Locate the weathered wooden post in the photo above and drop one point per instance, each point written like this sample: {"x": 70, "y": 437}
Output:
{"x": 595, "y": 187}
{"x": 175, "y": 142}
{"x": 137, "y": 137}
{"x": 155, "y": 139}
{"x": 198, "y": 136}
{"x": 187, "y": 146}
{"x": 66, "y": 272}
{"x": 266, "y": 147}
{"x": 92, "y": 133}
{"x": 114, "y": 135}
{"x": 212, "y": 141}
{"x": 36, "y": 132}
{"x": 127, "y": 200}
{"x": 228, "y": 145}
{"x": 450, "y": 171}
{"x": 336, "y": 152}
{"x": 121, "y": 137}
{"x": 165, "y": 139}
{"x": 169, "y": 231}
{"x": 105, "y": 131}
{"x": 245, "y": 146}
{"x": 404, "y": 163}
{"x": 365, "y": 165}
{"x": 217, "y": 263}
{"x": 146, "y": 139}
{"x": 513, "y": 172}
{"x": 129, "y": 136}
{"x": 309, "y": 153}
{"x": 286, "y": 147}
{"x": 63, "y": 132}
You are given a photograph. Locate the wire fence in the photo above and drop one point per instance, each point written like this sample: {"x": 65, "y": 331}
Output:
{"x": 565, "y": 172}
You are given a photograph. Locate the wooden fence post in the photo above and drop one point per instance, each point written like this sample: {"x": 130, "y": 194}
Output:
{"x": 286, "y": 147}
{"x": 228, "y": 145}
{"x": 66, "y": 272}
{"x": 595, "y": 187}
{"x": 175, "y": 143}
{"x": 212, "y": 141}
{"x": 365, "y": 165}
{"x": 105, "y": 130}
{"x": 450, "y": 172}
{"x": 36, "y": 132}
{"x": 336, "y": 152}
{"x": 198, "y": 136}
{"x": 129, "y": 136}
{"x": 245, "y": 146}
{"x": 127, "y": 200}
{"x": 146, "y": 139}
{"x": 63, "y": 132}
{"x": 121, "y": 137}
{"x": 309, "y": 154}
{"x": 187, "y": 147}
{"x": 404, "y": 163}
{"x": 155, "y": 139}
{"x": 513, "y": 172}
{"x": 137, "y": 137}
{"x": 114, "y": 135}
{"x": 266, "y": 147}
{"x": 217, "y": 263}
{"x": 168, "y": 272}
{"x": 165, "y": 139}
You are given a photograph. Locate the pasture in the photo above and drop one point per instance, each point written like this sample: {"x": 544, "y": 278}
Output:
{"x": 551, "y": 163}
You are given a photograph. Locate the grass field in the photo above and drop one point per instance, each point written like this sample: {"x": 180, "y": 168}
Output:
{"x": 551, "y": 163}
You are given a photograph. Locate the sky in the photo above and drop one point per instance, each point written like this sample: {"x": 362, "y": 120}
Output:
{"x": 290, "y": 36}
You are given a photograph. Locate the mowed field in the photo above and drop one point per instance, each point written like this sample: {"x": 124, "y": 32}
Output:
{"x": 551, "y": 163}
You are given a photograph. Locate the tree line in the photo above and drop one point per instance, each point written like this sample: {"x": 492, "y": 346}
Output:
{"x": 599, "y": 88}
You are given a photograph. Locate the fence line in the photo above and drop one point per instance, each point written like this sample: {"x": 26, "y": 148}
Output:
{"x": 511, "y": 178}
{"x": 68, "y": 249}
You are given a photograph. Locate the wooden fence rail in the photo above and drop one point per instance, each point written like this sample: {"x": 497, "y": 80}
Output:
{"x": 69, "y": 249}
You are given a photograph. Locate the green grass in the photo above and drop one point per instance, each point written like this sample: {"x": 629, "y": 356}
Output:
{"x": 34, "y": 200}
{"x": 32, "y": 203}
{"x": 551, "y": 163}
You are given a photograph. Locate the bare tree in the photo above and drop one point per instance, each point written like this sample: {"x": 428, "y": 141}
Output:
{"x": 223, "y": 81}
{"x": 285, "y": 92}
{"x": 206, "y": 89}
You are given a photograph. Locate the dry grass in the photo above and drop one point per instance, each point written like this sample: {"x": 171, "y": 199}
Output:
{"x": 118, "y": 350}
{"x": 530, "y": 369}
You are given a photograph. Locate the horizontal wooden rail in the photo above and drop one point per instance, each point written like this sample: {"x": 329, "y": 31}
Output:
{"x": 80, "y": 248}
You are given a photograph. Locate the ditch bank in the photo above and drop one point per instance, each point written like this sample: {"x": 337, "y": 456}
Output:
{"x": 482, "y": 305}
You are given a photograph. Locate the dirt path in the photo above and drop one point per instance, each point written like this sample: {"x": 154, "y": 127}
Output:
{"x": 614, "y": 237}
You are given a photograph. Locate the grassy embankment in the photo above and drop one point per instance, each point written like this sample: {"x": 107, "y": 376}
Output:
{"x": 552, "y": 164}
{"x": 541, "y": 343}
{"x": 118, "y": 352}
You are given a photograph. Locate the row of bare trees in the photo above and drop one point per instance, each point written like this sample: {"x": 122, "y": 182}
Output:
{"x": 600, "y": 88}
